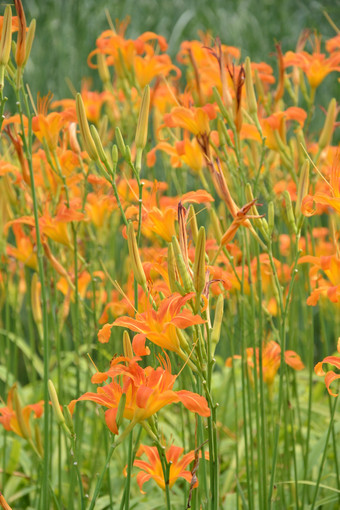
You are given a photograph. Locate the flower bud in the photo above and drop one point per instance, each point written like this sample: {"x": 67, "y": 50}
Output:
{"x": 328, "y": 127}
{"x": 137, "y": 266}
{"x": 216, "y": 225}
{"x": 6, "y": 37}
{"x": 20, "y": 53}
{"x": 127, "y": 347}
{"x": 290, "y": 213}
{"x": 199, "y": 262}
{"x": 303, "y": 186}
{"x": 251, "y": 98}
{"x": 74, "y": 144}
{"x": 68, "y": 419}
{"x": 85, "y": 130}
{"x": 103, "y": 69}
{"x": 182, "y": 268}
{"x": 114, "y": 155}
{"x": 120, "y": 142}
{"x": 35, "y": 301}
{"x": 193, "y": 223}
{"x": 29, "y": 40}
{"x": 55, "y": 403}
{"x": 98, "y": 144}
{"x": 142, "y": 125}
{"x": 5, "y": 43}
{"x": 216, "y": 330}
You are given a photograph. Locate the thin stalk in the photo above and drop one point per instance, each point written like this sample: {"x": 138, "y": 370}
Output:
{"x": 27, "y": 143}
{"x": 330, "y": 427}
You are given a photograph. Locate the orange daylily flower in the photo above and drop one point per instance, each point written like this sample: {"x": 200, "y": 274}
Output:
{"x": 195, "y": 120}
{"x": 147, "y": 391}
{"x": 159, "y": 326}
{"x": 271, "y": 360}
{"x": 54, "y": 227}
{"x": 330, "y": 376}
{"x": 316, "y": 66}
{"x": 330, "y": 265}
{"x": 153, "y": 469}
{"x": 8, "y": 415}
{"x": 331, "y": 199}
{"x": 24, "y": 250}
{"x": 275, "y": 123}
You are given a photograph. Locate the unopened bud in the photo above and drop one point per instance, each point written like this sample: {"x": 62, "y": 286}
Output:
{"x": 114, "y": 155}
{"x": 143, "y": 119}
{"x": 99, "y": 145}
{"x": 103, "y": 69}
{"x": 68, "y": 419}
{"x": 55, "y": 403}
{"x": 290, "y": 213}
{"x": 20, "y": 54}
{"x": 328, "y": 127}
{"x": 35, "y": 301}
{"x": 193, "y": 223}
{"x": 216, "y": 225}
{"x": 88, "y": 142}
{"x": 6, "y": 37}
{"x": 127, "y": 347}
{"x": 29, "y": 40}
{"x": 303, "y": 186}
{"x": 199, "y": 262}
{"x": 216, "y": 330}
{"x": 182, "y": 268}
{"x": 251, "y": 98}
{"x": 120, "y": 142}
{"x": 137, "y": 266}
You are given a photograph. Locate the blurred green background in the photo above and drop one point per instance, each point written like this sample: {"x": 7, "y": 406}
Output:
{"x": 67, "y": 29}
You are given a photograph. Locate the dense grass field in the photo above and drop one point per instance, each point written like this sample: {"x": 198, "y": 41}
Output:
{"x": 169, "y": 255}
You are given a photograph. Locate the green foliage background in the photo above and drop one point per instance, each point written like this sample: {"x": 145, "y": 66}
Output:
{"x": 67, "y": 29}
